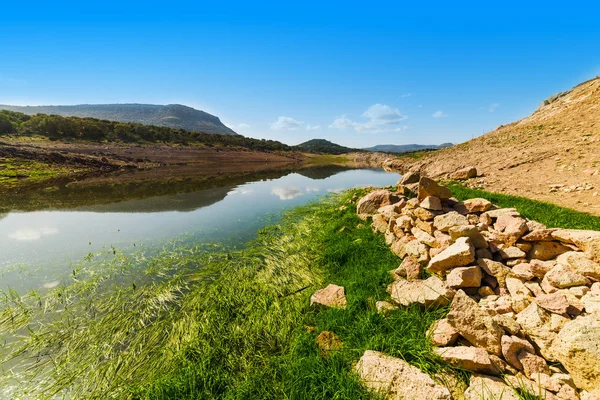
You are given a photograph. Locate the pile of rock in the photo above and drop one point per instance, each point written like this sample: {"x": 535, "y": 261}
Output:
{"x": 524, "y": 300}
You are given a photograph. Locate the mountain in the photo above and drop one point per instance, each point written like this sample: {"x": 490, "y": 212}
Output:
{"x": 406, "y": 148}
{"x": 172, "y": 116}
{"x": 323, "y": 146}
{"x": 552, "y": 155}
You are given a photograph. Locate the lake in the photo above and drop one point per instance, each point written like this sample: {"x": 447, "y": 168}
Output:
{"x": 43, "y": 232}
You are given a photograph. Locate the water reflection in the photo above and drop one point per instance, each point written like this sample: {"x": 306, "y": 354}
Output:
{"x": 46, "y": 241}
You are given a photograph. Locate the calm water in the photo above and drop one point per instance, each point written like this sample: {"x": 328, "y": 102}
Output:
{"x": 38, "y": 247}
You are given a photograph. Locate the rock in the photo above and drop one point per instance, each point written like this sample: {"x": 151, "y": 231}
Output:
{"x": 332, "y": 296}
{"x": 588, "y": 241}
{"x": 512, "y": 228}
{"x": 579, "y": 291}
{"x": 441, "y": 333}
{"x": 522, "y": 271}
{"x": 385, "y": 307}
{"x": 425, "y": 226}
{"x": 562, "y": 277}
{"x": 580, "y": 263}
{"x": 396, "y": 379}
{"x": 534, "y": 288}
{"x": 379, "y": 223}
{"x": 328, "y": 342}
{"x": 566, "y": 392}
{"x": 511, "y": 252}
{"x": 470, "y": 231}
{"x": 464, "y": 174}
{"x": 475, "y": 324}
{"x": 464, "y": 277}
{"x": 423, "y": 214}
{"x": 503, "y": 211}
{"x": 391, "y": 211}
{"x": 431, "y": 203}
{"x": 446, "y": 221}
{"x": 412, "y": 268}
{"x": 404, "y": 222}
{"x": 485, "y": 291}
{"x": 540, "y": 268}
{"x": 459, "y": 254}
{"x": 556, "y": 303}
{"x": 369, "y": 204}
{"x": 495, "y": 269}
{"x": 536, "y": 324}
{"x": 512, "y": 346}
{"x": 546, "y": 250}
{"x": 542, "y": 235}
{"x": 429, "y": 187}
{"x": 425, "y": 237}
{"x": 524, "y": 246}
{"x": 470, "y": 358}
{"x": 418, "y": 250}
{"x": 521, "y": 296}
{"x": 483, "y": 253}
{"x": 482, "y": 387}
{"x": 410, "y": 177}
{"x": 477, "y": 205}
{"x": 578, "y": 349}
{"x": 533, "y": 388}
{"x": 532, "y": 364}
{"x": 591, "y": 302}
{"x": 508, "y": 323}
{"x": 431, "y": 292}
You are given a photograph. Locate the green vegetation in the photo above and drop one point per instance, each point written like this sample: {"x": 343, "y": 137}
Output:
{"x": 14, "y": 169}
{"x": 548, "y": 214}
{"x": 327, "y": 159}
{"x": 322, "y": 146}
{"x": 55, "y": 127}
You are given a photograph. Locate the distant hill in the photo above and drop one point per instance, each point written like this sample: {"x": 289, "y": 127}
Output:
{"x": 323, "y": 146}
{"x": 406, "y": 148}
{"x": 172, "y": 116}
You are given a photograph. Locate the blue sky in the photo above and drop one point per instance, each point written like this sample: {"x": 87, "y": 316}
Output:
{"x": 357, "y": 73}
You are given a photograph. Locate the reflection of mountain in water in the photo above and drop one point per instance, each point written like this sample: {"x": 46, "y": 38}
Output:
{"x": 322, "y": 172}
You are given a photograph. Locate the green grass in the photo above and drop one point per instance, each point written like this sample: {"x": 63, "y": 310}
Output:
{"x": 548, "y": 214}
{"x": 14, "y": 169}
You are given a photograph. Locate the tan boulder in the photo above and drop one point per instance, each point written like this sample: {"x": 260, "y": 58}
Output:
{"x": 423, "y": 214}
{"x": 429, "y": 187}
{"x": 431, "y": 292}
{"x": 409, "y": 177}
{"x": 556, "y": 303}
{"x": 495, "y": 269}
{"x": 392, "y": 210}
{"x": 512, "y": 346}
{"x": 563, "y": 277}
{"x": 459, "y": 254}
{"x": 425, "y": 226}
{"x": 441, "y": 333}
{"x": 511, "y": 252}
{"x": 483, "y": 387}
{"x": 464, "y": 277}
{"x": 532, "y": 364}
{"x": 379, "y": 223}
{"x": 431, "y": 203}
{"x": 425, "y": 237}
{"x": 369, "y": 204}
{"x": 536, "y": 324}
{"x": 470, "y": 231}
{"x": 512, "y": 228}
{"x": 332, "y": 296}
{"x": 588, "y": 241}
{"x": 540, "y": 268}
{"x": 464, "y": 174}
{"x": 507, "y": 322}
{"x": 446, "y": 221}
{"x": 542, "y": 235}
{"x": 394, "y": 378}
{"x": 477, "y": 205}
{"x": 522, "y": 271}
{"x": 475, "y": 324}
{"x": 578, "y": 349}
{"x": 404, "y": 222}
{"x": 496, "y": 213}
{"x": 470, "y": 358}
{"x": 580, "y": 263}
{"x": 411, "y": 268}
{"x": 546, "y": 250}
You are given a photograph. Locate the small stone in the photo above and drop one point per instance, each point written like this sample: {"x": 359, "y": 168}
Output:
{"x": 543, "y": 235}
{"x": 464, "y": 174}
{"x": 409, "y": 177}
{"x": 555, "y": 303}
{"x": 580, "y": 263}
{"x": 412, "y": 268}
{"x": 511, "y": 252}
{"x": 446, "y": 221}
{"x": 485, "y": 291}
{"x": 423, "y": 214}
{"x": 512, "y": 228}
{"x": 328, "y": 342}
{"x": 495, "y": 269}
{"x": 431, "y": 292}
{"x": 534, "y": 288}
{"x": 404, "y": 222}
{"x": 332, "y": 296}
{"x": 464, "y": 277}
{"x": 459, "y": 254}
{"x": 540, "y": 268}
{"x": 441, "y": 333}
{"x": 425, "y": 237}
{"x": 429, "y": 187}
{"x": 522, "y": 271}
{"x": 508, "y": 323}
{"x": 562, "y": 277}
{"x": 379, "y": 224}
{"x": 532, "y": 364}
{"x": 470, "y": 231}
{"x": 431, "y": 203}
{"x": 477, "y": 205}
{"x": 546, "y": 250}
{"x": 503, "y": 211}
{"x": 536, "y": 324}
{"x": 512, "y": 346}
{"x": 470, "y": 358}
{"x": 591, "y": 302}
{"x": 369, "y": 204}
{"x": 588, "y": 241}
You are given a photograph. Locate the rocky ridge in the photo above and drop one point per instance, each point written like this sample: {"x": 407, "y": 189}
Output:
{"x": 524, "y": 299}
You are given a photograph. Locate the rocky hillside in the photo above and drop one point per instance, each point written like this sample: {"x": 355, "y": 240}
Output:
{"x": 172, "y": 115}
{"x": 523, "y": 299}
{"x": 406, "y": 148}
{"x": 552, "y": 155}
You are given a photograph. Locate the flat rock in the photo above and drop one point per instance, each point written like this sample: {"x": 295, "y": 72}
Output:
{"x": 459, "y": 254}
{"x": 580, "y": 263}
{"x": 483, "y": 387}
{"x": 464, "y": 277}
{"x": 578, "y": 349}
{"x": 432, "y": 292}
{"x": 441, "y": 333}
{"x": 475, "y": 324}
{"x": 542, "y": 235}
{"x": 332, "y": 296}
{"x": 446, "y": 221}
{"x": 512, "y": 346}
{"x": 512, "y": 228}
{"x": 473, "y": 359}
{"x": 511, "y": 252}
{"x": 537, "y": 325}
{"x": 429, "y": 187}
{"x": 556, "y": 303}
{"x": 588, "y": 241}
{"x": 495, "y": 269}
{"x": 522, "y": 271}
{"x": 470, "y": 231}
{"x": 369, "y": 204}
{"x": 503, "y": 211}
{"x": 477, "y": 205}
{"x": 464, "y": 173}
{"x": 410, "y": 177}
{"x": 394, "y": 378}
{"x": 546, "y": 250}
{"x": 563, "y": 277}
{"x": 431, "y": 203}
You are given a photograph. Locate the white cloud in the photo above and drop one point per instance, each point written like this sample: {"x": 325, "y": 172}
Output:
{"x": 286, "y": 123}
{"x": 312, "y": 189}
{"x": 381, "y": 118}
{"x": 310, "y": 127}
{"x": 439, "y": 114}
{"x": 32, "y": 234}
{"x": 493, "y": 107}
{"x": 286, "y": 193}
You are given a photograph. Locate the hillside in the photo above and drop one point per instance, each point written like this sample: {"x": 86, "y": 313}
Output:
{"x": 551, "y": 155}
{"x": 322, "y": 146}
{"x": 172, "y": 116}
{"x": 406, "y": 148}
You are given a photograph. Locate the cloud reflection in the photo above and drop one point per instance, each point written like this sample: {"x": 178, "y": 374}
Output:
{"x": 286, "y": 193}
{"x": 32, "y": 233}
